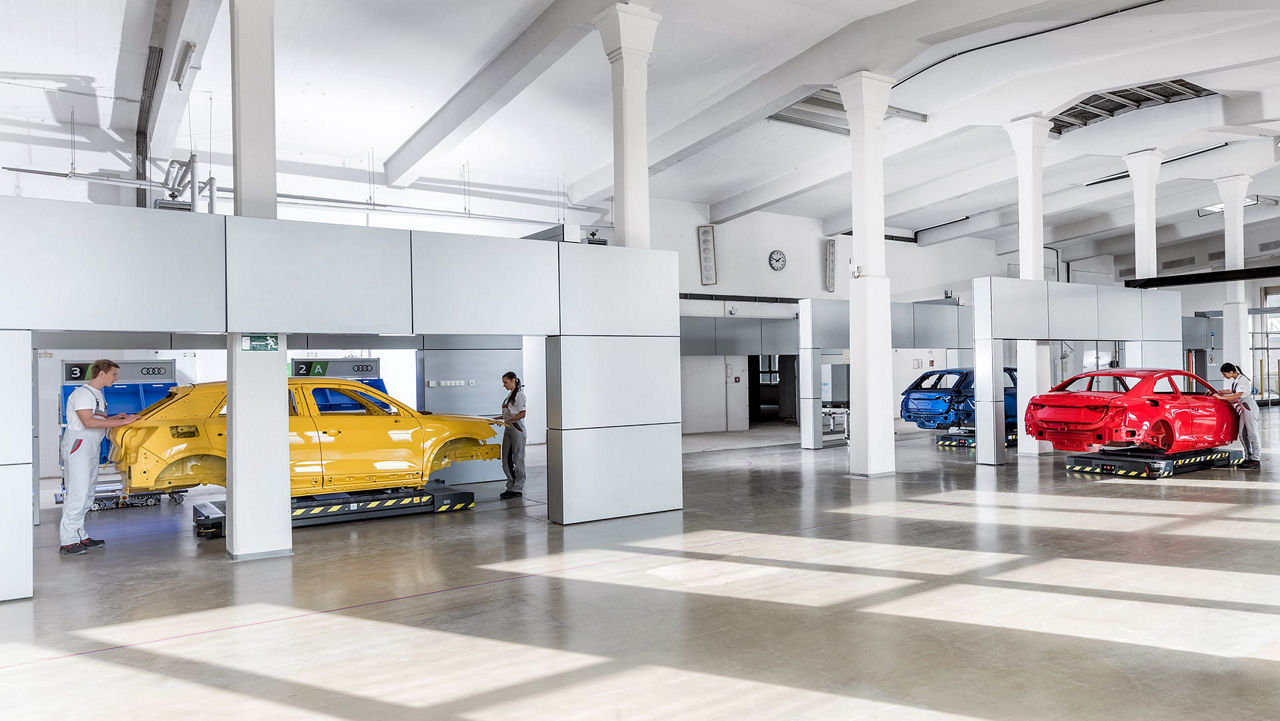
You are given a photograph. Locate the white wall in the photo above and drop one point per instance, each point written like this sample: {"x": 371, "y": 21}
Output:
{"x": 923, "y": 273}
{"x": 702, "y": 394}
{"x": 742, "y": 252}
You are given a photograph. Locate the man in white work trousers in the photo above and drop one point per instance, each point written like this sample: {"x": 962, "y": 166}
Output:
{"x": 87, "y": 425}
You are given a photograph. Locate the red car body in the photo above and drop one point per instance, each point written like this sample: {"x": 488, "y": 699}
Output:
{"x": 1166, "y": 410}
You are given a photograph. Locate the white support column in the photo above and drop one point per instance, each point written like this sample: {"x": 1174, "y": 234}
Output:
{"x": 17, "y": 535}
{"x": 810, "y": 362}
{"x": 257, "y": 523}
{"x": 253, "y": 107}
{"x": 1235, "y": 312}
{"x": 1029, "y": 137}
{"x": 1144, "y": 171}
{"x": 871, "y": 394}
{"x": 627, "y": 32}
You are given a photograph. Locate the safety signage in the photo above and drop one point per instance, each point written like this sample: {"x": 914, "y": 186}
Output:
{"x": 260, "y": 342}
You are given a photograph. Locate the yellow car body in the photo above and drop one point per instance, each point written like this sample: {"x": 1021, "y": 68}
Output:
{"x": 343, "y": 436}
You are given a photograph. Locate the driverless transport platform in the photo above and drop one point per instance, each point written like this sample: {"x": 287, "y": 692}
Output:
{"x": 1139, "y": 463}
{"x": 435, "y": 497}
{"x": 968, "y": 438}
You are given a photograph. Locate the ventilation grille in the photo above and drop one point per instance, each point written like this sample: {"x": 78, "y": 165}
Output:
{"x": 1216, "y": 255}
{"x": 1102, "y": 106}
{"x": 1269, "y": 245}
{"x": 1177, "y": 263}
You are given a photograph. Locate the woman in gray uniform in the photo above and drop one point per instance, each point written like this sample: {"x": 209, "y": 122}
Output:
{"x": 1241, "y": 395}
{"x": 513, "y": 436}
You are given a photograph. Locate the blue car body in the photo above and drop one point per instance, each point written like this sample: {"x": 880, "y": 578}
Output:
{"x": 944, "y": 398}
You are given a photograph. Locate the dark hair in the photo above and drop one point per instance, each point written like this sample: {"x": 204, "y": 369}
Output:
{"x": 1228, "y": 368}
{"x": 100, "y": 366}
{"x": 511, "y": 375}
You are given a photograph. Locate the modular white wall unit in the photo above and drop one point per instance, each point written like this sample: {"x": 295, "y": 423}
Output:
{"x": 1149, "y": 321}
{"x": 98, "y": 267}
{"x": 16, "y": 496}
{"x": 613, "y": 385}
{"x": 315, "y": 278}
{"x": 172, "y": 276}
{"x": 478, "y": 284}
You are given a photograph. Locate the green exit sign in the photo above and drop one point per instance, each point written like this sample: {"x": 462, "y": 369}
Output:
{"x": 260, "y": 342}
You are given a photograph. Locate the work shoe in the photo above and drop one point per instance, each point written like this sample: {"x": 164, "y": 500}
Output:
{"x": 74, "y": 549}
{"x": 508, "y": 494}
{"x": 1250, "y": 465}
{"x": 93, "y": 543}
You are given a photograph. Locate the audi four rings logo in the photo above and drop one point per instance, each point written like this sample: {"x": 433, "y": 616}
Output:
{"x": 153, "y": 371}
{"x": 362, "y": 368}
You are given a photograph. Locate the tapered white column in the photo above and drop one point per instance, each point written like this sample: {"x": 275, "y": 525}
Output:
{"x": 627, "y": 32}
{"x": 871, "y": 392}
{"x": 1235, "y": 312}
{"x": 258, "y": 521}
{"x": 1029, "y": 137}
{"x": 1144, "y": 171}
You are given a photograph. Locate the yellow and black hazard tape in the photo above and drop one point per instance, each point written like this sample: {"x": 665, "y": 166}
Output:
{"x": 1200, "y": 459}
{"x": 1120, "y": 471}
{"x": 456, "y": 506}
{"x": 363, "y": 506}
{"x": 956, "y": 443}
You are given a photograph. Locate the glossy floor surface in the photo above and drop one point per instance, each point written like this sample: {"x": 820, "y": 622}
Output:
{"x": 785, "y": 590}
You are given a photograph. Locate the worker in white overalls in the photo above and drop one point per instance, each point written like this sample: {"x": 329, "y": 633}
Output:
{"x": 513, "y": 436}
{"x": 87, "y": 424}
{"x": 1241, "y": 396}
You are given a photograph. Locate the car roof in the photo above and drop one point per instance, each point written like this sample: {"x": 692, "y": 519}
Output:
{"x": 1141, "y": 372}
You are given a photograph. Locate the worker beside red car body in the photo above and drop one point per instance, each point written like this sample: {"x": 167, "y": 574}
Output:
{"x": 1240, "y": 395}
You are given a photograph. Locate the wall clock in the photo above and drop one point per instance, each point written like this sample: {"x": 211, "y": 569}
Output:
{"x": 777, "y": 260}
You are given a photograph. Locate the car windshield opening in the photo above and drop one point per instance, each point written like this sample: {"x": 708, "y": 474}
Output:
{"x": 1100, "y": 384}
{"x": 937, "y": 381}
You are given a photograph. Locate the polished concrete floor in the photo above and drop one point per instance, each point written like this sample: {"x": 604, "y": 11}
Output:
{"x": 786, "y": 589}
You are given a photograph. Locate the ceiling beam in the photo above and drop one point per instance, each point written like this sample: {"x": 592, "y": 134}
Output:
{"x": 533, "y": 52}
{"x": 190, "y": 21}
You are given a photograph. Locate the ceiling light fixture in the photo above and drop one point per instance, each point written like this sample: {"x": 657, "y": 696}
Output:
{"x": 185, "y": 56}
{"x": 1248, "y": 200}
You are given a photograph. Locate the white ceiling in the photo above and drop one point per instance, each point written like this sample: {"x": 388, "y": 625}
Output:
{"x": 355, "y": 80}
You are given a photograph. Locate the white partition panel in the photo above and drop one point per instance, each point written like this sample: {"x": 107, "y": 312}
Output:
{"x": 316, "y": 278}
{"x": 94, "y": 267}
{"x": 1162, "y": 316}
{"x": 478, "y": 284}
{"x": 1073, "y": 310}
{"x": 1119, "y": 313}
{"x": 602, "y": 473}
{"x": 15, "y": 386}
{"x": 1019, "y": 308}
{"x": 596, "y": 381}
{"x": 935, "y": 326}
{"x": 17, "y": 536}
{"x": 607, "y": 290}
{"x": 16, "y": 498}
{"x": 828, "y": 325}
